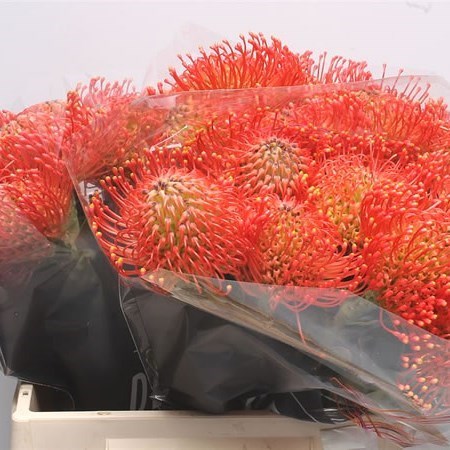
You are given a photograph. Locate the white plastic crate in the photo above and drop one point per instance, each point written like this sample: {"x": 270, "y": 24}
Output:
{"x": 33, "y": 429}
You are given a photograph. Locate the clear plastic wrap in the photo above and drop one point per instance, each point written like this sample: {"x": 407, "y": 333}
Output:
{"x": 375, "y": 367}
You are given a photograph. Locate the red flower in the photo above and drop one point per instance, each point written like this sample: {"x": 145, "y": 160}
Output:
{"x": 176, "y": 220}
{"x": 341, "y": 184}
{"x": 383, "y": 208}
{"x": 250, "y": 63}
{"x": 254, "y": 62}
{"x": 407, "y": 252}
{"x": 32, "y": 173}
{"x": 258, "y": 152}
{"x": 105, "y": 127}
{"x": 300, "y": 247}
{"x": 406, "y": 125}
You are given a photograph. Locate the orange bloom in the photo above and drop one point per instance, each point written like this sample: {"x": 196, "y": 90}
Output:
{"x": 250, "y": 63}
{"x": 105, "y": 127}
{"x": 32, "y": 173}
{"x": 341, "y": 184}
{"x": 255, "y": 62}
{"x": 176, "y": 220}
{"x": 258, "y": 152}
{"x": 407, "y": 126}
{"x": 407, "y": 251}
{"x": 432, "y": 170}
{"x": 301, "y": 247}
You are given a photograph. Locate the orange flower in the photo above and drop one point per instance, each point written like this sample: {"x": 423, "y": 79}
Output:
{"x": 250, "y": 63}
{"x": 32, "y": 173}
{"x": 105, "y": 127}
{"x": 407, "y": 251}
{"x": 407, "y": 126}
{"x": 301, "y": 247}
{"x": 341, "y": 184}
{"x": 258, "y": 152}
{"x": 432, "y": 170}
{"x": 255, "y": 62}
{"x": 176, "y": 220}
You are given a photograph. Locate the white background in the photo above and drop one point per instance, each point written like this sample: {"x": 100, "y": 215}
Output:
{"x": 45, "y": 48}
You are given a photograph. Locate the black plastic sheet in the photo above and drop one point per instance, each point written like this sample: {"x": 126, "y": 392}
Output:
{"x": 61, "y": 326}
{"x": 195, "y": 360}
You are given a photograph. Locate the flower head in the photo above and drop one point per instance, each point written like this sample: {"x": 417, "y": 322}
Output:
{"x": 250, "y": 63}
{"x": 105, "y": 128}
{"x": 32, "y": 173}
{"x": 407, "y": 252}
{"x": 174, "y": 219}
{"x": 340, "y": 186}
{"x": 255, "y": 62}
{"x": 301, "y": 247}
{"x": 257, "y": 151}
{"x": 432, "y": 171}
{"x": 408, "y": 127}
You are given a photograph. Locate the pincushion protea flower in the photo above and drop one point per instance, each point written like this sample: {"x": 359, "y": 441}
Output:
{"x": 250, "y": 63}
{"x": 407, "y": 126}
{"x": 341, "y": 184}
{"x": 176, "y": 220}
{"x": 301, "y": 247}
{"x": 32, "y": 173}
{"x": 105, "y": 128}
{"x": 258, "y": 152}
{"x": 407, "y": 252}
{"x": 254, "y": 62}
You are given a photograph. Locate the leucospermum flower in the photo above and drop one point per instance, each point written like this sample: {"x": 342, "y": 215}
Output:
{"x": 407, "y": 126}
{"x": 105, "y": 129}
{"x": 255, "y": 62}
{"x": 32, "y": 172}
{"x": 250, "y": 63}
{"x": 407, "y": 252}
{"x": 340, "y": 186}
{"x": 259, "y": 153}
{"x": 432, "y": 170}
{"x": 301, "y": 247}
{"x": 174, "y": 219}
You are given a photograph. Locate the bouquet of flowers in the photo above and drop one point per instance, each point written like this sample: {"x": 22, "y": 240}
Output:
{"x": 280, "y": 224}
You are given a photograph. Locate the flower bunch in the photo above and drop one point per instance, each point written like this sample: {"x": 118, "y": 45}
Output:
{"x": 257, "y": 165}
{"x": 334, "y": 186}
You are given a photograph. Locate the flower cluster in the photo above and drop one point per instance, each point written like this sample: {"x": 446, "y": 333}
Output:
{"x": 256, "y": 164}
{"x": 321, "y": 184}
